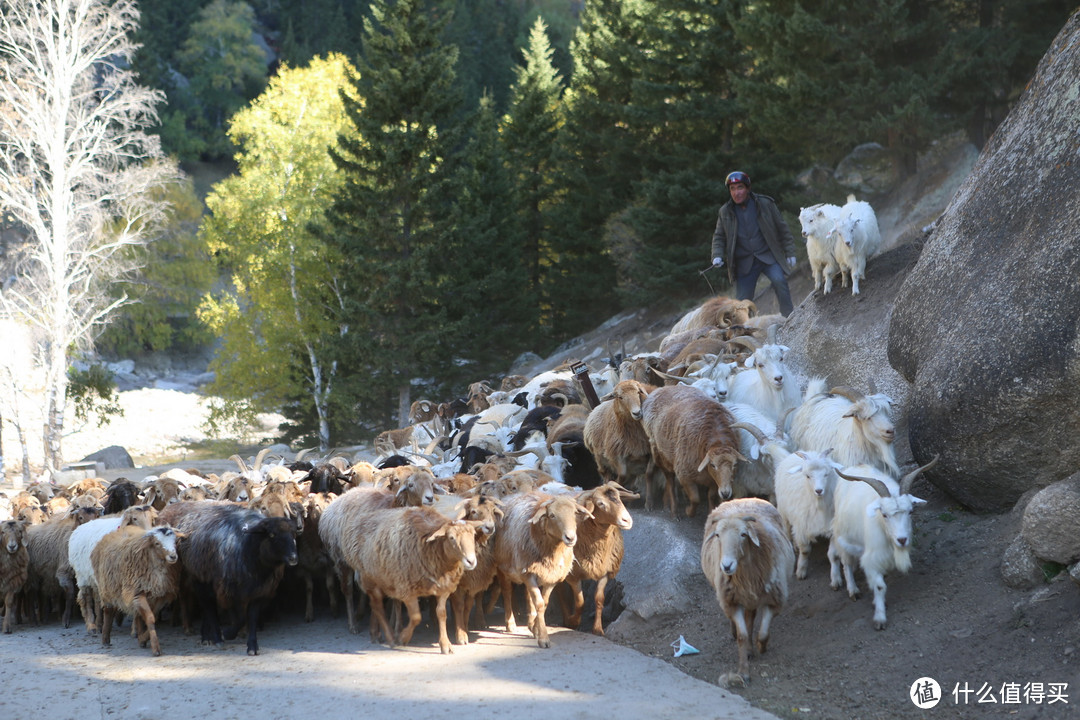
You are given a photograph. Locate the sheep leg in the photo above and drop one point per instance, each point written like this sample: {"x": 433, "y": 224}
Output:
{"x": 494, "y": 593}
{"x": 470, "y": 600}
{"x": 849, "y": 575}
{"x": 598, "y": 601}
{"x": 539, "y": 597}
{"x": 86, "y": 607}
{"x": 763, "y": 630}
{"x": 378, "y": 612}
{"x": 693, "y": 497}
{"x": 573, "y": 617}
{"x": 412, "y": 605}
{"x": 309, "y": 591}
{"x": 145, "y": 615}
{"x": 329, "y": 579}
{"x": 835, "y": 580}
{"x": 743, "y": 631}
{"x": 440, "y": 613}
{"x": 350, "y": 606}
{"x": 461, "y": 617}
{"x": 67, "y": 584}
{"x": 252, "y": 624}
{"x": 508, "y": 603}
{"x": 211, "y": 629}
{"x": 803, "y": 547}
{"x": 9, "y": 610}
{"x": 106, "y": 626}
{"x": 876, "y": 580}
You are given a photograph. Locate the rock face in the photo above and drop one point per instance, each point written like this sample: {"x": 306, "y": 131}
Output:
{"x": 985, "y": 327}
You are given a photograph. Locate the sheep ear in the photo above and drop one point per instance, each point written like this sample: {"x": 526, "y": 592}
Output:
{"x": 796, "y": 469}
{"x": 539, "y": 513}
{"x": 749, "y": 362}
{"x": 704, "y": 462}
{"x": 751, "y": 530}
{"x": 586, "y": 511}
{"x": 441, "y": 532}
{"x": 872, "y": 508}
{"x": 917, "y": 501}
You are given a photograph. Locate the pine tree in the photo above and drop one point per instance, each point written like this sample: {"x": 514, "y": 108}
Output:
{"x": 684, "y": 102}
{"x": 829, "y": 74}
{"x": 490, "y": 302}
{"x": 390, "y": 219}
{"x": 529, "y": 133}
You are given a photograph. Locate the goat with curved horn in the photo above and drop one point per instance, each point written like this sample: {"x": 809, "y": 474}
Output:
{"x": 881, "y": 488}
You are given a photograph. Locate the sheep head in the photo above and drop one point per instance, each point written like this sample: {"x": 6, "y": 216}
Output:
{"x": 733, "y": 534}
{"x": 719, "y": 462}
{"x": 165, "y": 538}
{"x": 606, "y": 505}
{"x": 460, "y": 540}
{"x": 556, "y": 517}
{"x": 871, "y": 411}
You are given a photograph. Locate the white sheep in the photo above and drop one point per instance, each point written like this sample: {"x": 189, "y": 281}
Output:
{"x": 857, "y": 238}
{"x": 747, "y": 559}
{"x": 818, "y": 228}
{"x": 857, "y": 427}
{"x": 872, "y": 526}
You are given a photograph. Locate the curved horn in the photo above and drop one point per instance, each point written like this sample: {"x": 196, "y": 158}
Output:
{"x": 881, "y": 488}
{"x": 435, "y": 443}
{"x": 260, "y": 457}
{"x": 240, "y": 463}
{"x": 752, "y": 429}
{"x": 771, "y": 333}
{"x": 782, "y": 422}
{"x": 678, "y": 378}
{"x": 303, "y": 451}
{"x": 907, "y": 480}
{"x": 433, "y": 459}
{"x": 566, "y": 400}
{"x": 849, "y": 393}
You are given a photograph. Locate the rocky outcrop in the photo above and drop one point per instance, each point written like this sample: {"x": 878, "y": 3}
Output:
{"x": 985, "y": 326}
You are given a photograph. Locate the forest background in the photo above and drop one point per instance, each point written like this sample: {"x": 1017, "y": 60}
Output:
{"x": 390, "y": 199}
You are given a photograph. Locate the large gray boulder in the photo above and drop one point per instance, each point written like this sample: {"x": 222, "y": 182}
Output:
{"x": 1051, "y": 522}
{"x": 112, "y": 457}
{"x": 985, "y": 327}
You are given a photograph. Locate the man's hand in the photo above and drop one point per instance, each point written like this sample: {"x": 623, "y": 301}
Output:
{"x": 718, "y": 262}
{"x": 791, "y": 262}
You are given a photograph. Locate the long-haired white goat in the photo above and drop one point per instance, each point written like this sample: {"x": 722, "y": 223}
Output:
{"x": 857, "y": 427}
{"x": 872, "y": 526}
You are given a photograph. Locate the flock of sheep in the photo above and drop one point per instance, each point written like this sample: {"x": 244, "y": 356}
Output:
{"x": 525, "y": 485}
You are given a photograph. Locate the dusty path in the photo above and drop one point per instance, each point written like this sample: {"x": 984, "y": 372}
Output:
{"x": 321, "y": 671}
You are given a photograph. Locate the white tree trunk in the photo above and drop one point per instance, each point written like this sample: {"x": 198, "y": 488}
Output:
{"x": 77, "y": 172}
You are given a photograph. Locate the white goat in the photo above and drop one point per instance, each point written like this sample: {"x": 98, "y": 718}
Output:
{"x": 857, "y": 238}
{"x": 857, "y": 427}
{"x": 772, "y": 389}
{"x": 754, "y": 475}
{"x": 818, "y": 228}
{"x": 872, "y": 526}
{"x": 805, "y": 481}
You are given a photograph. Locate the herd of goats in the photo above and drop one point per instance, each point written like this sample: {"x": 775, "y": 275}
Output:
{"x": 524, "y": 485}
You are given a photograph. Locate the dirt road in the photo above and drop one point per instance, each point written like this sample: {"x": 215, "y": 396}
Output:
{"x": 321, "y": 671}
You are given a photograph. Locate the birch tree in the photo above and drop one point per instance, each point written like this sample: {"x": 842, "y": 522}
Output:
{"x": 285, "y": 282}
{"x": 77, "y": 174}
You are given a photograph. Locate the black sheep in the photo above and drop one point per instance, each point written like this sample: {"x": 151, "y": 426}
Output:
{"x": 536, "y": 420}
{"x": 235, "y": 558}
{"x": 121, "y": 495}
{"x": 326, "y": 478}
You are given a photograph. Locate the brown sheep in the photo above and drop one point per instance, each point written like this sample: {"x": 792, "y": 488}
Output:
{"x": 137, "y": 574}
{"x": 82, "y": 542}
{"x": 616, "y": 438}
{"x": 235, "y": 487}
{"x": 314, "y": 560}
{"x": 361, "y": 473}
{"x": 747, "y": 557}
{"x": 598, "y": 553}
{"x": 487, "y": 511}
{"x": 31, "y": 515}
{"x": 14, "y": 565}
{"x": 692, "y": 442}
{"x": 412, "y": 553}
{"x": 534, "y": 546}
{"x": 50, "y": 571}
{"x": 720, "y": 311}
{"x": 342, "y": 524}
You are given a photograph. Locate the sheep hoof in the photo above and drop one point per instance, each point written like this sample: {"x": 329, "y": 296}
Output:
{"x": 544, "y": 643}
{"x": 730, "y": 680}
{"x": 854, "y": 596}
{"x": 879, "y": 624}
{"x": 253, "y": 651}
